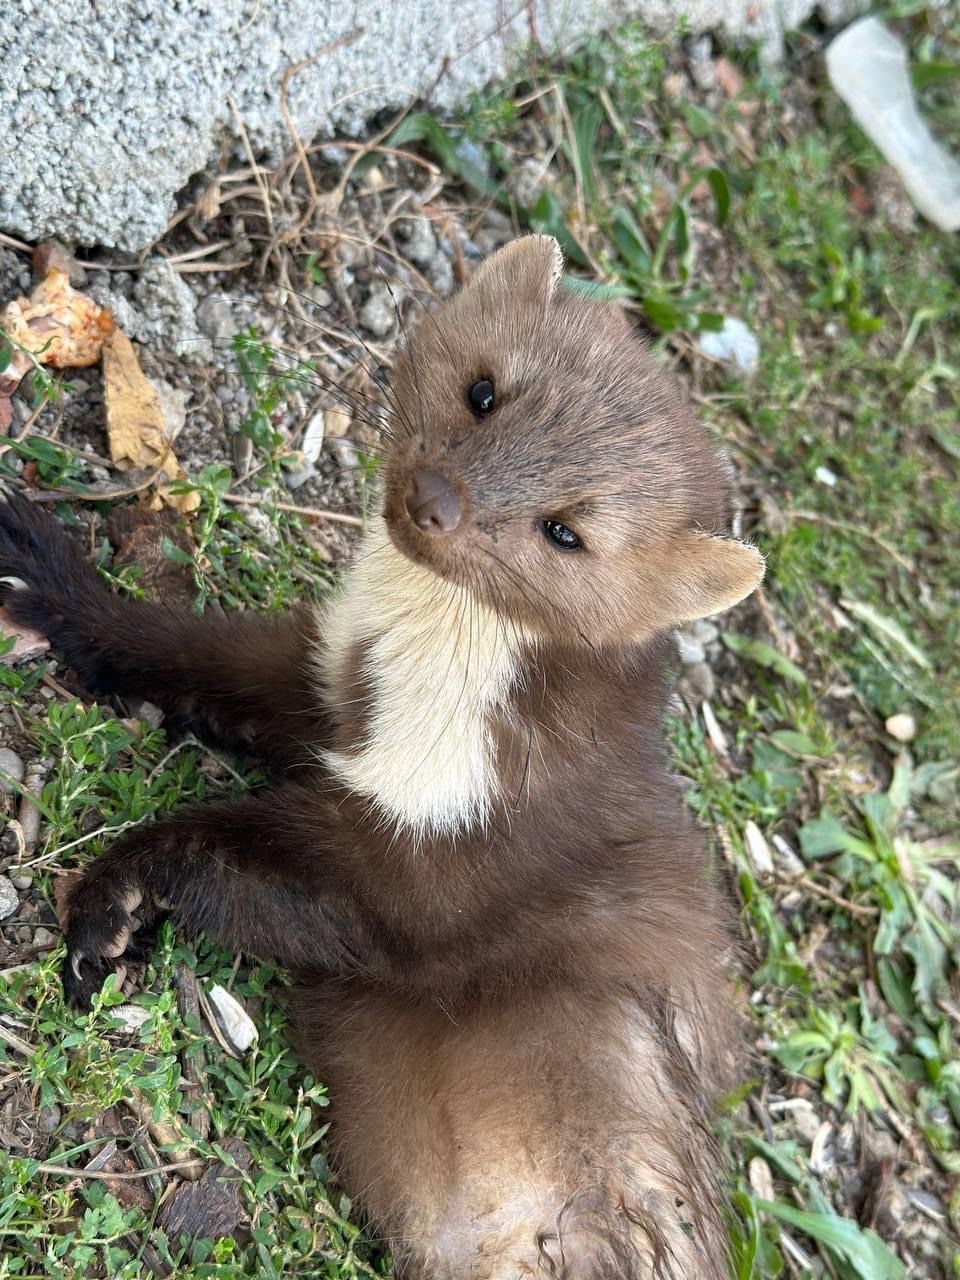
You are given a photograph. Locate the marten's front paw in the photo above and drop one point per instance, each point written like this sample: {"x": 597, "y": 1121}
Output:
{"x": 44, "y": 580}
{"x": 101, "y": 924}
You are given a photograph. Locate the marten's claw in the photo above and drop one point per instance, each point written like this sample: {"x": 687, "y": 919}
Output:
{"x": 100, "y": 929}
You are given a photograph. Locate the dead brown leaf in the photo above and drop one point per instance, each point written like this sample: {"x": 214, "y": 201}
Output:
{"x": 209, "y": 1208}
{"x": 136, "y": 427}
{"x": 138, "y": 535}
{"x": 63, "y": 887}
{"x": 112, "y": 1124}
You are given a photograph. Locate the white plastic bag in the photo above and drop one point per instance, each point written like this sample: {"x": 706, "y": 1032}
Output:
{"x": 867, "y": 66}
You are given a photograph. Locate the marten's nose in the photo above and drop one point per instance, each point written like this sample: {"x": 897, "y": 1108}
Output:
{"x": 432, "y": 503}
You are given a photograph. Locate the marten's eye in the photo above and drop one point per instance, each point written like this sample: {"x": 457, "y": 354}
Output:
{"x": 480, "y": 397}
{"x": 561, "y": 536}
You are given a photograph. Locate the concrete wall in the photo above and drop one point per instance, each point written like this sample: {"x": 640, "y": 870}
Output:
{"x": 107, "y": 107}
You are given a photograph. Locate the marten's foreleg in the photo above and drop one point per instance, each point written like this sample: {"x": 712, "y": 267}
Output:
{"x": 247, "y": 871}
{"x": 239, "y": 681}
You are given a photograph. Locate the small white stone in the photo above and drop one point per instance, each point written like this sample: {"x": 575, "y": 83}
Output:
{"x": 700, "y": 679}
{"x": 9, "y": 901}
{"x": 705, "y": 631}
{"x": 147, "y": 713}
{"x": 378, "y": 314}
{"x": 10, "y": 763}
{"x": 903, "y": 727}
{"x": 689, "y": 648}
{"x": 826, "y": 476}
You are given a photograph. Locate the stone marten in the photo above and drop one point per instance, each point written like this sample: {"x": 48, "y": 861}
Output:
{"x": 510, "y": 957}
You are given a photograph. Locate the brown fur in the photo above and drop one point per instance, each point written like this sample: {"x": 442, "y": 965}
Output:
{"x": 520, "y": 1005}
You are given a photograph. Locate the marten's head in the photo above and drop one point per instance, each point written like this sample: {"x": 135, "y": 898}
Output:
{"x": 540, "y": 459}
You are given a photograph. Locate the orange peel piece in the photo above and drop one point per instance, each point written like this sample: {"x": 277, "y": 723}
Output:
{"x": 57, "y": 325}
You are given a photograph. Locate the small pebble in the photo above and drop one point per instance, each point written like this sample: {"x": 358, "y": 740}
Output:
{"x": 48, "y": 1118}
{"x": 826, "y": 476}
{"x": 22, "y": 881}
{"x": 10, "y": 763}
{"x": 440, "y": 275}
{"x": 44, "y": 938}
{"x": 903, "y": 727}
{"x": 297, "y": 479}
{"x": 215, "y": 318}
{"x": 146, "y": 712}
{"x": 421, "y": 242}
{"x": 689, "y": 648}
{"x": 705, "y": 631}
{"x": 701, "y": 679}
{"x": 378, "y": 314}
{"x": 805, "y": 1120}
{"x": 9, "y": 900}
{"x": 927, "y": 1204}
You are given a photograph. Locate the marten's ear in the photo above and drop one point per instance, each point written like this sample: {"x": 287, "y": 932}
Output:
{"x": 528, "y": 270}
{"x": 708, "y": 575}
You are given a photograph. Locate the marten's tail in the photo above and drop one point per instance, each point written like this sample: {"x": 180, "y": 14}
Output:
{"x": 564, "y": 1137}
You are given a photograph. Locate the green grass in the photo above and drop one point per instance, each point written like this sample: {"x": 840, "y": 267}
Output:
{"x": 688, "y": 213}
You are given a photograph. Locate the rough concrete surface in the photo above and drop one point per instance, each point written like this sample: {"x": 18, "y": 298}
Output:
{"x": 107, "y": 107}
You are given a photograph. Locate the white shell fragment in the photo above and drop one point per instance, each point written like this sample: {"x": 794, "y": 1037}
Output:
{"x": 231, "y": 1019}
{"x": 718, "y": 738}
{"x": 758, "y": 850}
